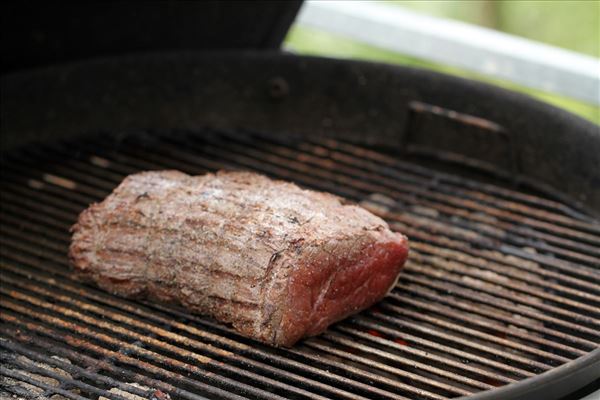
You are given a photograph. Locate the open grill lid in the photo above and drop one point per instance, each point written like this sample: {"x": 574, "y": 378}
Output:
{"x": 42, "y": 34}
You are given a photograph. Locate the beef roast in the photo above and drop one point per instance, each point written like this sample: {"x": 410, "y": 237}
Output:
{"x": 275, "y": 261}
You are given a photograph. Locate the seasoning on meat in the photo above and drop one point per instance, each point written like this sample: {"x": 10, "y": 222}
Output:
{"x": 275, "y": 261}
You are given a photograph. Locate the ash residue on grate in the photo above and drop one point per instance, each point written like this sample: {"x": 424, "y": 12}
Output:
{"x": 18, "y": 381}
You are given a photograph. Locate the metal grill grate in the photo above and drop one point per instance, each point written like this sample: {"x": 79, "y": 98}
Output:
{"x": 500, "y": 286}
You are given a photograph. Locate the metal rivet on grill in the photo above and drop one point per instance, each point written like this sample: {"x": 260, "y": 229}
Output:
{"x": 278, "y": 88}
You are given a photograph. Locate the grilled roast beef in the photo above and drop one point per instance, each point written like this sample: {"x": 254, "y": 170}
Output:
{"x": 275, "y": 261}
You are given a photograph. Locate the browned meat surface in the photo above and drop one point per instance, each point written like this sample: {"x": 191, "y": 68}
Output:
{"x": 275, "y": 261}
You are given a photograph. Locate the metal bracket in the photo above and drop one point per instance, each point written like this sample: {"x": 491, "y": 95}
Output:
{"x": 460, "y": 138}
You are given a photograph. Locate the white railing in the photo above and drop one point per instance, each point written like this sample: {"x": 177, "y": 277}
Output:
{"x": 470, "y": 47}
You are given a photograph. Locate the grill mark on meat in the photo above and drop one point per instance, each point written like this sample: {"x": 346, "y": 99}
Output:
{"x": 167, "y": 235}
{"x": 137, "y": 255}
{"x": 266, "y": 285}
{"x": 246, "y": 304}
{"x": 275, "y": 261}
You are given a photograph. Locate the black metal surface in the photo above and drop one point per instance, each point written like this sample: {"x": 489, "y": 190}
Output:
{"x": 502, "y": 288}
{"x": 38, "y": 34}
{"x": 534, "y": 145}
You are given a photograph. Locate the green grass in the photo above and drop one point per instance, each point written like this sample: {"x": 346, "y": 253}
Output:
{"x": 313, "y": 42}
{"x": 570, "y": 24}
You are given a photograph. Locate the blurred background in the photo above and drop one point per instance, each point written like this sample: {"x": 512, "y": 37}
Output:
{"x": 570, "y": 25}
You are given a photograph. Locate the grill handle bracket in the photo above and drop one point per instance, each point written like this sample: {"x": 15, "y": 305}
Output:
{"x": 460, "y": 138}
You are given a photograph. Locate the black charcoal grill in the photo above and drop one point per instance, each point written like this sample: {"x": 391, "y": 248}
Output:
{"x": 498, "y": 193}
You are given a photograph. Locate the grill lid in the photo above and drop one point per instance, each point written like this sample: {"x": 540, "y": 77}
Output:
{"x": 39, "y": 34}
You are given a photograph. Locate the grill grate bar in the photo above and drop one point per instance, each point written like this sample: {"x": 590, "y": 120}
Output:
{"x": 18, "y": 209}
{"x": 65, "y": 240}
{"x": 167, "y": 335}
{"x": 528, "y": 211}
{"x": 34, "y": 206}
{"x": 351, "y": 343}
{"x": 52, "y": 154}
{"x": 591, "y": 286}
{"x": 400, "y": 346}
{"x": 467, "y": 358}
{"x": 358, "y": 190}
{"x": 496, "y": 303}
{"x": 421, "y": 268}
{"x": 502, "y": 270}
{"x": 32, "y": 249}
{"x": 407, "y": 193}
{"x": 328, "y": 349}
{"x": 136, "y": 350}
{"x": 408, "y": 350}
{"x": 367, "y": 321}
{"x": 4, "y": 371}
{"x": 443, "y": 259}
{"x": 509, "y": 301}
{"x": 23, "y": 322}
{"x": 14, "y": 180}
{"x": 240, "y": 348}
{"x": 66, "y": 380}
{"x": 494, "y": 344}
{"x": 284, "y": 171}
{"x": 87, "y": 307}
{"x": 592, "y": 332}
{"x": 418, "y": 292}
{"x": 501, "y": 285}
{"x": 570, "y": 254}
{"x": 50, "y": 244}
{"x": 77, "y": 371}
{"x": 287, "y": 169}
{"x": 489, "y": 258}
{"x": 217, "y": 353}
{"x": 440, "y": 194}
{"x": 557, "y": 249}
{"x": 457, "y": 308}
{"x": 30, "y": 168}
{"x": 517, "y": 200}
{"x": 466, "y": 232}
{"x": 459, "y": 205}
{"x": 446, "y": 334}
{"x": 409, "y": 388}
{"x": 222, "y": 166}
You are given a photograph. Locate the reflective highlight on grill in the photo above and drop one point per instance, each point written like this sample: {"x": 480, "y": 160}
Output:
{"x": 500, "y": 285}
